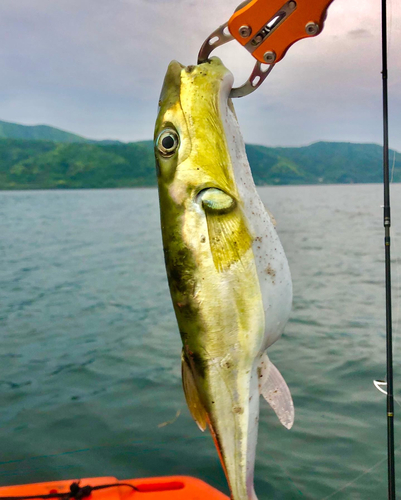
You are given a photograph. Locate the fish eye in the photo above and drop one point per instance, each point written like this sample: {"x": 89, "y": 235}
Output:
{"x": 167, "y": 142}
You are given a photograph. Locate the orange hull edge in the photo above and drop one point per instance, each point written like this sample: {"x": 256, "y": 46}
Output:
{"x": 153, "y": 488}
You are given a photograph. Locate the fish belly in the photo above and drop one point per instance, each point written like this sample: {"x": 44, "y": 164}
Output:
{"x": 225, "y": 353}
{"x": 273, "y": 271}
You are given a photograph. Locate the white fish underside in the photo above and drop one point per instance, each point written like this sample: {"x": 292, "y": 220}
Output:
{"x": 274, "y": 281}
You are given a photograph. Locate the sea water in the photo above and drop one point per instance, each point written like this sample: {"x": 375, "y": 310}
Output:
{"x": 90, "y": 377}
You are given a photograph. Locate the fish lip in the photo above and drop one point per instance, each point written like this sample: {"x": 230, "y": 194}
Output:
{"x": 174, "y": 63}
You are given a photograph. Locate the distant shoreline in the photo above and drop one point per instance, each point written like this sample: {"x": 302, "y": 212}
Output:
{"x": 43, "y": 158}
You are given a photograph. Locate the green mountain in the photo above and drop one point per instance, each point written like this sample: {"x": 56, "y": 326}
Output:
{"x": 37, "y": 132}
{"x": 58, "y": 159}
{"x": 47, "y": 165}
{"x": 321, "y": 162}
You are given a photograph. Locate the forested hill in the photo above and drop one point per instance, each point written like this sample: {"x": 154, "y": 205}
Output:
{"x": 10, "y": 130}
{"x": 61, "y": 161}
{"x": 321, "y": 163}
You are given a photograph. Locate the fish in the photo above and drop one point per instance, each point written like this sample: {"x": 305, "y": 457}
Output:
{"x": 228, "y": 275}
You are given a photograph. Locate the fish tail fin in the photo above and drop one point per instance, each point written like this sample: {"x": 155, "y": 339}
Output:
{"x": 234, "y": 426}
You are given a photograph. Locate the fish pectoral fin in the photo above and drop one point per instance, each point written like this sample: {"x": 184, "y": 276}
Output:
{"x": 229, "y": 235}
{"x": 274, "y": 389}
{"x": 195, "y": 406}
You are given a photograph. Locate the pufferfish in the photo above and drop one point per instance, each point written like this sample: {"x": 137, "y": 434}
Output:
{"x": 228, "y": 275}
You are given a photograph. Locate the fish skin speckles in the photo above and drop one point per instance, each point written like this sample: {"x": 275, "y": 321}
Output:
{"x": 228, "y": 275}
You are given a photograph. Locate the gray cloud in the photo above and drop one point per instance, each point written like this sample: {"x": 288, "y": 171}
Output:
{"x": 96, "y": 68}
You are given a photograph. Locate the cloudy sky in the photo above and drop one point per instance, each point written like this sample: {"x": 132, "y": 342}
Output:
{"x": 95, "y": 67}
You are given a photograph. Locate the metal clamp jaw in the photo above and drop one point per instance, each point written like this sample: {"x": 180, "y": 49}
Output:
{"x": 222, "y": 36}
{"x": 267, "y": 29}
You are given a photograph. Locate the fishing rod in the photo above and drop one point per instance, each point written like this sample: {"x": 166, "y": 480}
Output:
{"x": 389, "y": 384}
{"x": 387, "y": 225}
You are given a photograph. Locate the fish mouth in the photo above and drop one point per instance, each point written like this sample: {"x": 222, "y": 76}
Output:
{"x": 175, "y": 67}
{"x": 170, "y": 93}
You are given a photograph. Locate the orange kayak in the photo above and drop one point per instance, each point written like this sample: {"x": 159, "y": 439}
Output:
{"x": 110, "y": 488}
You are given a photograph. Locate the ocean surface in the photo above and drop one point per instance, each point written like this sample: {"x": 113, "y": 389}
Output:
{"x": 90, "y": 378}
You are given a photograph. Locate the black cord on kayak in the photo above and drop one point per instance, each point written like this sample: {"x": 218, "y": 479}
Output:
{"x": 76, "y": 492}
{"x": 387, "y": 224}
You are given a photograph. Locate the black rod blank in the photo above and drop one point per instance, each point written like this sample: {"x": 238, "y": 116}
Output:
{"x": 387, "y": 225}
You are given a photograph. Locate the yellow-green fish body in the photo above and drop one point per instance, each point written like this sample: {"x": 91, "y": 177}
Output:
{"x": 229, "y": 279}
